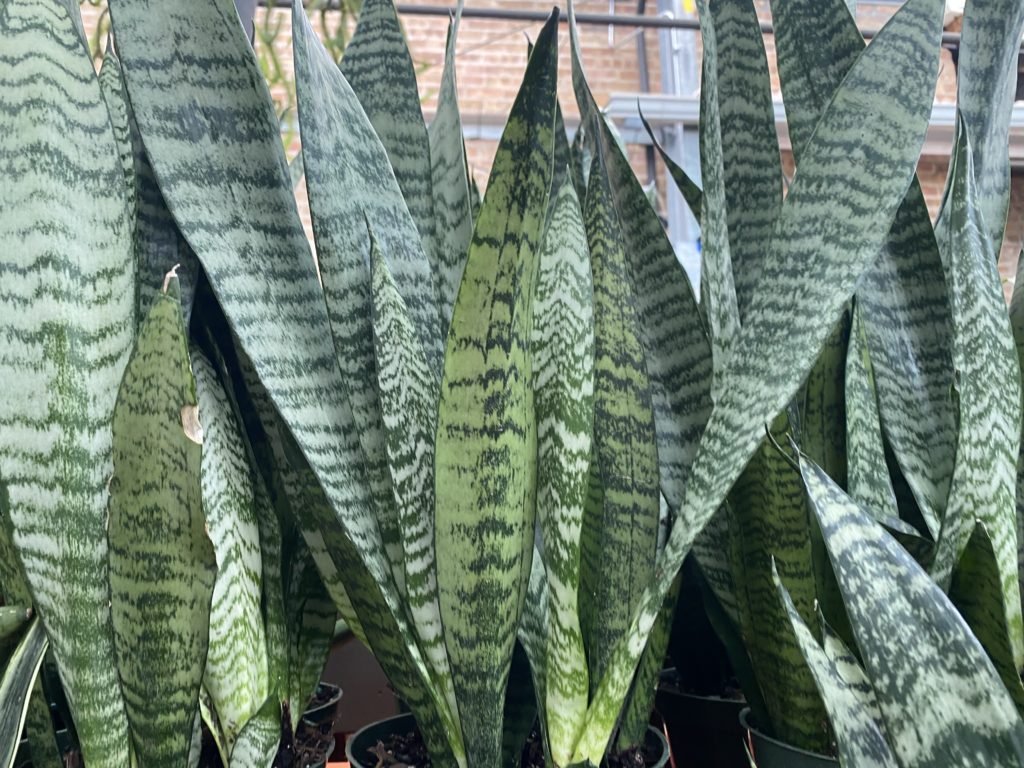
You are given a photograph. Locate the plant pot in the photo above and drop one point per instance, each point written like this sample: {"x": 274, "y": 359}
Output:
{"x": 702, "y": 730}
{"x": 772, "y": 753}
{"x": 357, "y": 751}
{"x": 316, "y": 727}
{"x": 327, "y": 709}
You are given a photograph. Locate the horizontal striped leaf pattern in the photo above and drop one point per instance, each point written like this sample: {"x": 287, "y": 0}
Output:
{"x": 562, "y": 346}
{"x": 775, "y": 356}
{"x": 162, "y": 564}
{"x": 453, "y": 206}
{"x": 236, "y": 662}
{"x": 847, "y": 694}
{"x": 688, "y": 188}
{"x": 66, "y": 326}
{"x": 984, "y": 481}
{"x": 486, "y": 434}
{"x": 902, "y": 299}
{"x": 245, "y": 229}
{"x": 939, "y": 695}
{"x": 378, "y": 66}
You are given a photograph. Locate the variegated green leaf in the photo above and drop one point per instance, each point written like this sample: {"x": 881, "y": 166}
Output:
{"x": 902, "y": 299}
{"x": 622, "y": 527}
{"x": 162, "y": 564}
{"x": 563, "y": 368}
{"x": 829, "y": 219}
{"x": 379, "y": 67}
{"x": 976, "y": 591}
{"x": 16, "y": 686}
{"x": 258, "y": 742}
{"x": 751, "y": 167}
{"x": 984, "y": 482}
{"x": 867, "y": 474}
{"x": 534, "y": 631}
{"x": 848, "y": 696}
{"x": 688, "y": 188}
{"x": 717, "y": 281}
{"x": 941, "y": 700}
{"x": 13, "y": 618}
{"x": 240, "y": 217}
{"x": 112, "y": 86}
{"x": 769, "y": 525}
{"x": 236, "y": 663}
{"x": 409, "y": 395}
{"x": 66, "y": 325}
{"x": 1017, "y": 326}
{"x": 486, "y": 433}
{"x": 453, "y": 207}
{"x": 986, "y": 87}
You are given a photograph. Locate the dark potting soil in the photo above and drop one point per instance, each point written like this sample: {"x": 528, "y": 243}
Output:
{"x": 408, "y": 751}
{"x": 309, "y": 744}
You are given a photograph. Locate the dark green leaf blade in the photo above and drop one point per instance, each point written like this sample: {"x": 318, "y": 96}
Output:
{"x": 162, "y": 564}
{"x": 486, "y": 439}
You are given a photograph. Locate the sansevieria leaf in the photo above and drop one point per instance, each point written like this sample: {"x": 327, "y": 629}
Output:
{"x": 941, "y": 700}
{"x": 236, "y": 663}
{"x": 486, "y": 438}
{"x": 19, "y": 675}
{"x": 832, "y": 220}
{"x": 902, "y": 298}
{"x": 241, "y": 220}
{"x": 984, "y": 484}
{"x": 848, "y": 696}
{"x": 67, "y": 286}
{"x": 453, "y": 206}
{"x": 379, "y": 67}
{"x": 563, "y": 368}
{"x": 162, "y": 563}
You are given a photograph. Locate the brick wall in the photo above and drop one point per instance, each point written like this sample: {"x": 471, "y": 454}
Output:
{"x": 492, "y": 57}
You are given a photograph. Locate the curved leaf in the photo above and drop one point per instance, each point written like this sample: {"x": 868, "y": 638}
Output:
{"x": 486, "y": 438}
{"x": 785, "y": 328}
{"x": 940, "y": 697}
{"x": 847, "y": 694}
{"x": 162, "y": 564}
{"x": 66, "y": 326}
{"x": 692, "y": 194}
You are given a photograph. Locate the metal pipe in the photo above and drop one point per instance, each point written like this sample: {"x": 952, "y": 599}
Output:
{"x": 599, "y": 19}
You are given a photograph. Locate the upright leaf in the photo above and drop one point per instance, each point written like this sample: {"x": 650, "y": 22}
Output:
{"x": 940, "y": 698}
{"x": 692, "y": 194}
{"x": 623, "y": 525}
{"x": 241, "y": 220}
{"x": 378, "y": 65}
{"x": 751, "y": 167}
{"x": 409, "y": 396}
{"x": 563, "y": 367}
{"x": 453, "y": 206}
{"x": 847, "y": 694}
{"x": 984, "y": 482}
{"x": 774, "y": 356}
{"x": 162, "y": 563}
{"x": 986, "y": 88}
{"x": 66, "y": 323}
{"x": 486, "y": 439}
{"x": 236, "y": 664}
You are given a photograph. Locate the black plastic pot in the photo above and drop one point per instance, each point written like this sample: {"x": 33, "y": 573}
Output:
{"x": 702, "y": 730}
{"x": 772, "y": 753}
{"x": 358, "y": 748}
{"x": 328, "y": 710}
